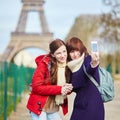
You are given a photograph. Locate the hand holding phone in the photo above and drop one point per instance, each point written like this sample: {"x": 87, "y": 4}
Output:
{"x": 94, "y": 53}
{"x": 94, "y": 46}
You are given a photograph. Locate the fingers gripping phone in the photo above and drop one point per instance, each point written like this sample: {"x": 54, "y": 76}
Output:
{"x": 94, "y": 46}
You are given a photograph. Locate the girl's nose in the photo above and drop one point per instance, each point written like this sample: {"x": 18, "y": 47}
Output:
{"x": 75, "y": 53}
{"x": 62, "y": 54}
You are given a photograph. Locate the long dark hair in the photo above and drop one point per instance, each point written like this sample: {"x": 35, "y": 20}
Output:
{"x": 75, "y": 44}
{"x": 54, "y": 45}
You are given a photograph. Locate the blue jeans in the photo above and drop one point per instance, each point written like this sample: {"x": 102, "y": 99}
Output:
{"x": 46, "y": 116}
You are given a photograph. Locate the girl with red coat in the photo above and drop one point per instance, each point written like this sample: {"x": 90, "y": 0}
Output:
{"x": 50, "y": 84}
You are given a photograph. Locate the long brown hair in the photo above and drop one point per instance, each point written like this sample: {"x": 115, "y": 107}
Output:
{"x": 54, "y": 45}
{"x": 75, "y": 44}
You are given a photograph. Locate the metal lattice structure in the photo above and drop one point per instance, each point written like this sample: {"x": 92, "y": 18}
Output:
{"x": 20, "y": 39}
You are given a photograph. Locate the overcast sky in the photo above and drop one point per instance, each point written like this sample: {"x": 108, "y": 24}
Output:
{"x": 60, "y": 16}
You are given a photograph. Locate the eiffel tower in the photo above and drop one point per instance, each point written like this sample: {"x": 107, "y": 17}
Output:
{"x": 20, "y": 39}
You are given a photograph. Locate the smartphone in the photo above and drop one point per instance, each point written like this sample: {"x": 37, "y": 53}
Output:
{"x": 94, "y": 46}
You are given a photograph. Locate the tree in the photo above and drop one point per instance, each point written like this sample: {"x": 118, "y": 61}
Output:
{"x": 111, "y": 21}
{"x": 110, "y": 32}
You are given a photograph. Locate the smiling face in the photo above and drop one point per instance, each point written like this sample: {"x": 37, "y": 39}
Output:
{"x": 74, "y": 54}
{"x": 61, "y": 54}
{"x": 75, "y": 48}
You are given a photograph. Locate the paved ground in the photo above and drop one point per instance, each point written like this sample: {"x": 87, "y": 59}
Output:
{"x": 112, "y": 108}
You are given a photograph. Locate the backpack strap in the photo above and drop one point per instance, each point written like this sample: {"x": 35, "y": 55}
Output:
{"x": 90, "y": 77}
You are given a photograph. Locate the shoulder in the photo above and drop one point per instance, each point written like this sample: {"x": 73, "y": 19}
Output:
{"x": 87, "y": 58}
{"x": 42, "y": 59}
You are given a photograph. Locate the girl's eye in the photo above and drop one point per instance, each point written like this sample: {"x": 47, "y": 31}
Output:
{"x": 57, "y": 53}
{"x": 72, "y": 51}
{"x": 64, "y": 51}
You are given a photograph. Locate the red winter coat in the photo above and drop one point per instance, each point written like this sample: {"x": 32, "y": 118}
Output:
{"x": 40, "y": 89}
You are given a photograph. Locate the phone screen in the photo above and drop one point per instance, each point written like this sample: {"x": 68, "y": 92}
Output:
{"x": 94, "y": 46}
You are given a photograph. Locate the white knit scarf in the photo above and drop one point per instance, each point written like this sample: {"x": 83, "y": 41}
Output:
{"x": 75, "y": 65}
{"x": 61, "y": 80}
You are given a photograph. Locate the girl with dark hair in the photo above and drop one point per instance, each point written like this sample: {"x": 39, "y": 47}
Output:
{"x": 50, "y": 84}
{"x": 88, "y": 104}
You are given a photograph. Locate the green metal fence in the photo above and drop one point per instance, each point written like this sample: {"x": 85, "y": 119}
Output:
{"x": 14, "y": 81}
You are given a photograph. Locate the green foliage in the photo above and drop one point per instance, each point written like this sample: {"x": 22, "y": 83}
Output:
{"x": 17, "y": 80}
{"x": 9, "y": 109}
